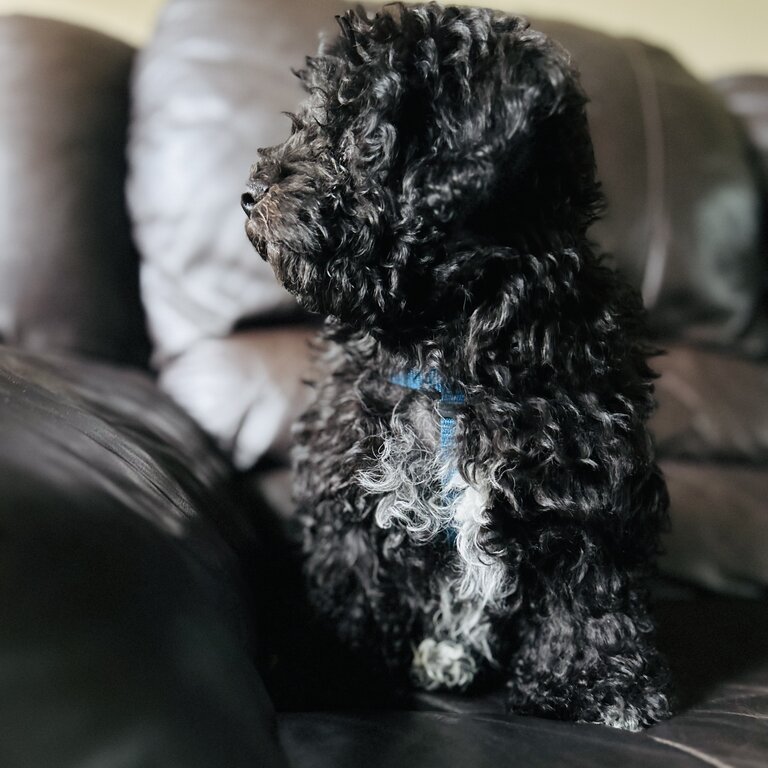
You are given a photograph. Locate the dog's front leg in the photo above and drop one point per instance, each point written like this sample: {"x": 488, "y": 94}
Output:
{"x": 585, "y": 650}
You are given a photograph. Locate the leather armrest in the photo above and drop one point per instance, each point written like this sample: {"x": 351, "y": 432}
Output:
{"x": 123, "y": 638}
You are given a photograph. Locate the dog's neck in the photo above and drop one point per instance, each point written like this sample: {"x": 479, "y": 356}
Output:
{"x": 443, "y": 359}
{"x": 431, "y": 381}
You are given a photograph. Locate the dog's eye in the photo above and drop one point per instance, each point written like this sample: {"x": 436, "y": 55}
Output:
{"x": 283, "y": 170}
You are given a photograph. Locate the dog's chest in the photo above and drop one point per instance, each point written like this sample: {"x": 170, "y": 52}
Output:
{"x": 413, "y": 475}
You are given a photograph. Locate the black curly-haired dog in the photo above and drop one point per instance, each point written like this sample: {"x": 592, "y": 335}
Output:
{"x": 475, "y": 476}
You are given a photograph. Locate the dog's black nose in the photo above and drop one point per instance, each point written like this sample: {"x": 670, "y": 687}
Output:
{"x": 253, "y": 193}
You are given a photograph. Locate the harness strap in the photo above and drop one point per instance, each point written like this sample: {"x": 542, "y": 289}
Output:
{"x": 449, "y": 398}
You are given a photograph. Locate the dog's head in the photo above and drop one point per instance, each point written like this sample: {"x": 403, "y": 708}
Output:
{"x": 433, "y": 142}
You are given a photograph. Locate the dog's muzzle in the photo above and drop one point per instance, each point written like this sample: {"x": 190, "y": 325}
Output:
{"x": 255, "y": 191}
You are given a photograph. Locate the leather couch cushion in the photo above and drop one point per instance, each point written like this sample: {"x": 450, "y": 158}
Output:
{"x": 711, "y": 431}
{"x": 712, "y": 406}
{"x": 719, "y": 532}
{"x": 123, "y": 639}
{"x": 68, "y": 271}
{"x": 717, "y": 653}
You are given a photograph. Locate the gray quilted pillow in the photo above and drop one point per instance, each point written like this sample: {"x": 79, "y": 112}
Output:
{"x": 208, "y": 90}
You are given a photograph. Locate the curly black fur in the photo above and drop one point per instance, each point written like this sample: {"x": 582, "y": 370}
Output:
{"x": 433, "y": 202}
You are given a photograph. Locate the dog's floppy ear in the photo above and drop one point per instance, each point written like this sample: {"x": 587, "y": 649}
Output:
{"x": 447, "y": 111}
{"x": 349, "y": 46}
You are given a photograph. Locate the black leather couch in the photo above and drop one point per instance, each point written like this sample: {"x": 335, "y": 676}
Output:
{"x": 150, "y": 607}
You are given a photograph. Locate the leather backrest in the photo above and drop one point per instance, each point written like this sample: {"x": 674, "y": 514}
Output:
{"x": 68, "y": 270}
{"x": 747, "y": 97}
{"x": 684, "y": 200}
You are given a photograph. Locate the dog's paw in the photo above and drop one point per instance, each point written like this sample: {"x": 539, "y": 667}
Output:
{"x": 442, "y": 665}
{"x": 631, "y": 717}
{"x": 629, "y": 705}
{"x": 633, "y": 710}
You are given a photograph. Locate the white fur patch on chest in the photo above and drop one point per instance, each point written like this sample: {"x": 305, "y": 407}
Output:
{"x": 413, "y": 494}
{"x": 405, "y": 478}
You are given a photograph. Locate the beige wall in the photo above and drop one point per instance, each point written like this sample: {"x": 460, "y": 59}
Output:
{"x": 712, "y": 36}
{"x": 129, "y": 19}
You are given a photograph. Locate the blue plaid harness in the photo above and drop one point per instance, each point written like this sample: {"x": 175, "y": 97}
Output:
{"x": 449, "y": 400}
